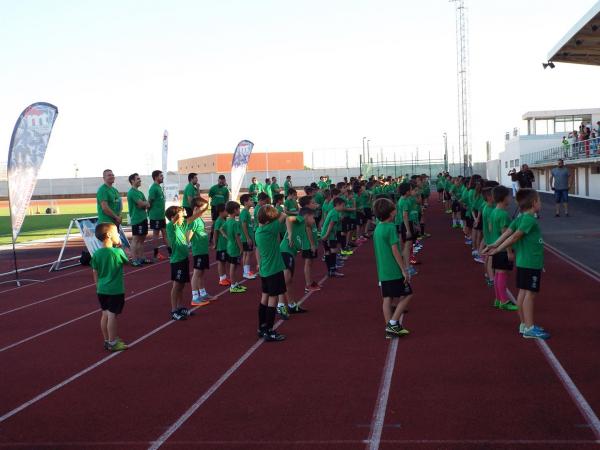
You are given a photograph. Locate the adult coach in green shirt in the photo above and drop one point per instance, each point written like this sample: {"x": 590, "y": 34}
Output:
{"x": 156, "y": 213}
{"x": 275, "y": 189}
{"x": 108, "y": 200}
{"x": 287, "y": 185}
{"x": 190, "y": 192}
{"x": 137, "y": 204}
{"x": 254, "y": 189}
{"x": 219, "y": 195}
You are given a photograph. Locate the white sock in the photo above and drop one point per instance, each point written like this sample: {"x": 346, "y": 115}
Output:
{"x": 292, "y": 305}
{"x": 222, "y": 277}
{"x": 280, "y": 304}
{"x": 202, "y": 292}
{"x": 246, "y": 269}
{"x": 393, "y": 322}
{"x": 194, "y": 294}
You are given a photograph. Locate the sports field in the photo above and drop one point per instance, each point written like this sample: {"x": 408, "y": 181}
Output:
{"x": 463, "y": 378}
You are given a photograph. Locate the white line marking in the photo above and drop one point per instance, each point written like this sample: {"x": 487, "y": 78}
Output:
{"x": 573, "y": 262}
{"x": 70, "y": 292}
{"x": 204, "y": 397}
{"x": 382, "y": 396}
{"x": 81, "y": 373}
{"x": 582, "y": 405}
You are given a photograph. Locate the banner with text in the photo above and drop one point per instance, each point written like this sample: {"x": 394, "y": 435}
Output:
{"x": 241, "y": 156}
{"x": 25, "y": 156}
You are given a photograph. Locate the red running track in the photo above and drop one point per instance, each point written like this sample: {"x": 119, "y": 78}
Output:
{"x": 462, "y": 379}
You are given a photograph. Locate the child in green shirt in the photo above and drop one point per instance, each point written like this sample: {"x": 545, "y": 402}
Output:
{"x": 107, "y": 264}
{"x": 231, "y": 230}
{"x": 393, "y": 276}
{"x": 309, "y": 246}
{"x": 278, "y": 203}
{"x": 290, "y": 206}
{"x": 329, "y": 236}
{"x": 221, "y": 245}
{"x": 196, "y": 234}
{"x": 271, "y": 270}
{"x": 525, "y": 236}
{"x": 180, "y": 266}
{"x": 247, "y": 235}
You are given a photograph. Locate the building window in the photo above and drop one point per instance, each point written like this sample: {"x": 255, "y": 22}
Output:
{"x": 516, "y": 163}
{"x": 512, "y": 163}
{"x": 506, "y": 164}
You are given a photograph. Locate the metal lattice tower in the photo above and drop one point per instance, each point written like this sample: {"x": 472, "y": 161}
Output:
{"x": 464, "y": 107}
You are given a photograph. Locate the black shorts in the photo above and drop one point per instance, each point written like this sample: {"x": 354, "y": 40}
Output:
{"x": 318, "y": 220}
{"x": 289, "y": 261}
{"x": 158, "y": 224}
{"x": 248, "y": 246}
{"x": 368, "y": 213}
{"x": 403, "y": 232}
{"x": 440, "y": 190}
{"x": 395, "y": 288}
{"x": 140, "y": 229}
{"x": 346, "y": 224}
{"x": 500, "y": 261}
{"x": 360, "y": 218}
{"x": 469, "y": 222}
{"x": 112, "y": 303}
{"x": 309, "y": 254}
{"x": 214, "y": 215}
{"x": 201, "y": 262}
{"x": 463, "y": 213}
{"x": 447, "y": 196}
{"x": 455, "y": 206}
{"x": 529, "y": 279}
{"x": 329, "y": 245}
{"x": 189, "y": 212}
{"x": 273, "y": 285}
{"x": 180, "y": 271}
{"x": 221, "y": 255}
{"x": 479, "y": 225}
{"x": 235, "y": 260}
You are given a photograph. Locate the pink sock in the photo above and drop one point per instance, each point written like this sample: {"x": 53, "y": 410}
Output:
{"x": 501, "y": 278}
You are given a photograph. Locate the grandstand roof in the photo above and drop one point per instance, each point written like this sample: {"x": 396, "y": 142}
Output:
{"x": 581, "y": 45}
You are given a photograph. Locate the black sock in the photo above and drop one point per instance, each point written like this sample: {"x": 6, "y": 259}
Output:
{"x": 262, "y": 315}
{"x": 270, "y": 315}
{"x": 331, "y": 261}
{"x": 155, "y": 252}
{"x": 422, "y": 229}
{"x": 169, "y": 250}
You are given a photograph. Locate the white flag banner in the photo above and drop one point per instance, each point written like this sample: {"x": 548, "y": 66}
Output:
{"x": 25, "y": 157}
{"x": 165, "y": 155}
{"x": 239, "y": 163}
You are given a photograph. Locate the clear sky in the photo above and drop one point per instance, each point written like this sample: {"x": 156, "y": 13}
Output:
{"x": 288, "y": 75}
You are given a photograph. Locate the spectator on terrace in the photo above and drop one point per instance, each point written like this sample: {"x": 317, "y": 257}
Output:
{"x": 514, "y": 181}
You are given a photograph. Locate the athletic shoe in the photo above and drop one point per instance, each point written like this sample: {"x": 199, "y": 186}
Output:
{"x": 478, "y": 259}
{"x": 396, "y": 330}
{"x": 347, "y": 252}
{"x": 186, "y": 312}
{"x": 225, "y": 282}
{"x": 341, "y": 258}
{"x": 315, "y": 284}
{"x": 273, "y": 336}
{"x": 336, "y": 274}
{"x": 497, "y": 303}
{"x": 448, "y": 211}
{"x": 106, "y": 345}
{"x": 261, "y": 332}
{"x": 136, "y": 263}
{"x": 160, "y": 257}
{"x": 176, "y": 315}
{"x": 521, "y": 328}
{"x": 250, "y": 276}
{"x": 237, "y": 290}
{"x": 118, "y": 346}
{"x": 508, "y": 306}
{"x": 535, "y": 332}
{"x": 297, "y": 309}
{"x": 199, "y": 302}
{"x": 207, "y": 298}
{"x": 412, "y": 271}
{"x": 283, "y": 312}
{"x": 147, "y": 261}
{"x": 311, "y": 288}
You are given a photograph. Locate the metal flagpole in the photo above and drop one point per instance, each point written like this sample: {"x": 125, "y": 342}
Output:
{"x": 12, "y": 235}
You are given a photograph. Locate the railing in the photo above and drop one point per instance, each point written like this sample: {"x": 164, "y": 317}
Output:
{"x": 578, "y": 150}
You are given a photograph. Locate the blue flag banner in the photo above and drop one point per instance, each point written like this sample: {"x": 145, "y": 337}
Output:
{"x": 239, "y": 163}
{"x": 25, "y": 157}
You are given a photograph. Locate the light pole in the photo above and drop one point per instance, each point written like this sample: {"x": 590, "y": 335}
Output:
{"x": 445, "y": 152}
{"x": 368, "y": 151}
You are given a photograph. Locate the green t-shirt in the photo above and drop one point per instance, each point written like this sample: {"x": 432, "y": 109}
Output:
{"x": 269, "y": 191}
{"x": 530, "y": 248}
{"x": 415, "y": 210}
{"x": 156, "y": 197}
{"x": 189, "y": 191}
{"x": 254, "y": 190}
{"x": 286, "y": 187}
{"x": 350, "y": 203}
{"x": 306, "y": 242}
{"x": 327, "y": 206}
{"x": 486, "y": 223}
{"x": 137, "y": 215}
{"x": 323, "y": 185}
{"x": 108, "y": 264}
{"x": 275, "y": 189}
{"x": 111, "y": 196}
{"x": 218, "y": 195}
{"x": 179, "y": 245}
{"x": 291, "y": 205}
{"x": 282, "y": 228}
{"x": 199, "y": 238}
{"x": 256, "y": 210}
{"x": 246, "y": 218}
{"x": 500, "y": 221}
{"x": 319, "y": 198}
{"x": 221, "y": 244}
{"x": 385, "y": 237}
{"x": 232, "y": 229}
{"x": 332, "y": 216}
{"x": 404, "y": 205}
{"x": 267, "y": 242}
{"x": 298, "y": 234}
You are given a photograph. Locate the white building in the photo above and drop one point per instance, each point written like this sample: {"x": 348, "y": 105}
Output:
{"x": 541, "y": 145}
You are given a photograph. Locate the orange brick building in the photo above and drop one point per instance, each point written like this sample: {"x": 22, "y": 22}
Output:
{"x": 259, "y": 162}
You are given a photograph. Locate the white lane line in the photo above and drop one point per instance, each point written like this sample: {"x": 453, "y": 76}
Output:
{"x": 378, "y": 419}
{"x": 88, "y": 369}
{"x": 204, "y": 397}
{"x": 582, "y": 405}
{"x": 70, "y": 292}
{"x": 574, "y": 263}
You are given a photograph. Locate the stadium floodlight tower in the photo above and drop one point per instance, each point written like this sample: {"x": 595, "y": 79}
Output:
{"x": 462, "y": 63}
